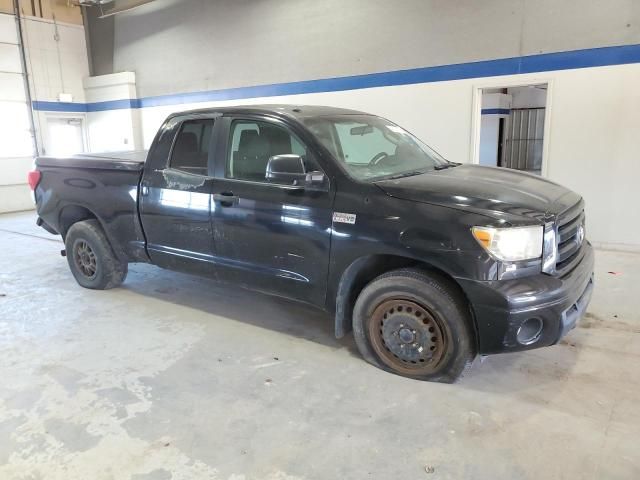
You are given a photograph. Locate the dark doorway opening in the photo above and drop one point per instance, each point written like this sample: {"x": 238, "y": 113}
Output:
{"x": 512, "y": 127}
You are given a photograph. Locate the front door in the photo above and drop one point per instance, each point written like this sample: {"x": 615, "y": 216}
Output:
{"x": 175, "y": 200}
{"x": 271, "y": 236}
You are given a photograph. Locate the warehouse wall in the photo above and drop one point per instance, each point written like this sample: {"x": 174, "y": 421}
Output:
{"x": 55, "y": 67}
{"x": 190, "y": 45}
{"x": 593, "y": 144}
{"x": 100, "y": 41}
{"x": 63, "y": 10}
{"x": 186, "y": 47}
{"x": 16, "y": 143}
{"x": 56, "y": 61}
{"x": 113, "y": 130}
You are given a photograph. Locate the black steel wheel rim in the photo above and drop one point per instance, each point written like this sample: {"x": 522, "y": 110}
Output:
{"x": 85, "y": 259}
{"x": 407, "y": 336}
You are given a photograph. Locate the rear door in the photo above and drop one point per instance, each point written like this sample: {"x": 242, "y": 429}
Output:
{"x": 269, "y": 236}
{"x": 175, "y": 195}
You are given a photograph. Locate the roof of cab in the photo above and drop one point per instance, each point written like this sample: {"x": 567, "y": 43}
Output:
{"x": 292, "y": 111}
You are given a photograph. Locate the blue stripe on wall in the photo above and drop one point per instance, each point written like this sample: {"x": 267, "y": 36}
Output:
{"x": 495, "y": 111}
{"x": 59, "y": 106}
{"x": 86, "y": 107}
{"x": 113, "y": 105}
{"x": 594, "y": 57}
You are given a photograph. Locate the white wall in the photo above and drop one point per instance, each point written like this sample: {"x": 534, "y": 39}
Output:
{"x": 594, "y": 147}
{"x": 439, "y": 113}
{"x": 179, "y": 46}
{"x": 54, "y": 67}
{"x": 16, "y": 144}
{"x": 593, "y": 142}
{"x": 114, "y": 130}
{"x": 14, "y": 192}
{"x": 176, "y": 47}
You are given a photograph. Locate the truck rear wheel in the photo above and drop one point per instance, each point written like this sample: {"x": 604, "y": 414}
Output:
{"x": 91, "y": 258}
{"x": 414, "y": 324}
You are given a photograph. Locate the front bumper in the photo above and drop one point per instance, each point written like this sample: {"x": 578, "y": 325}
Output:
{"x": 501, "y": 307}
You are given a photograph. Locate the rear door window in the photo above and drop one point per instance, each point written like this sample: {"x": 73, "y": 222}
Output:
{"x": 191, "y": 149}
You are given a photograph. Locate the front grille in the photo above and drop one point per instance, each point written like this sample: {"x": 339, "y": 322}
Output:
{"x": 570, "y": 238}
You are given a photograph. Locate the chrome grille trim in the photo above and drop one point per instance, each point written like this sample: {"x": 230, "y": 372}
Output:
{"x": 570, "y": 249}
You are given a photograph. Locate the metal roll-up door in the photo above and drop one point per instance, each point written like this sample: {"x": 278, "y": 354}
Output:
{"x": 16, "y": 136}
{"x": 524, "y": 136}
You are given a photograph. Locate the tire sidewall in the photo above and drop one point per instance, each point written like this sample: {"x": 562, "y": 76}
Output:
{"x": 451, "y": 318}
{"x": 85, "y": 231}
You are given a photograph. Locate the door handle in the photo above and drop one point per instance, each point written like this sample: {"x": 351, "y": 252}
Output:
{"x": 226, "y": 199}
{"x": 144, "y": 189}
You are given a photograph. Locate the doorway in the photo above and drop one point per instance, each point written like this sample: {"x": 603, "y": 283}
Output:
{"x": 512, "y": 127}
{"x": 65, "y": 136}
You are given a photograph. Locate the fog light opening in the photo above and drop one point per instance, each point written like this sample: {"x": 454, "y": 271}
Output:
{"x": 529, "y": 332}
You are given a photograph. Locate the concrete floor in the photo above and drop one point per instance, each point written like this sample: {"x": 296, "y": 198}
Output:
{"x": 175, "y": 377}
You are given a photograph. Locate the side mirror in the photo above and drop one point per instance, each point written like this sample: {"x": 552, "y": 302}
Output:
{"x": 287, "y": 169}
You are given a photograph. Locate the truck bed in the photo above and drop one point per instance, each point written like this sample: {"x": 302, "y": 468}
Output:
{"x": 115, "y": 160}
{"x": 102, "y": 186}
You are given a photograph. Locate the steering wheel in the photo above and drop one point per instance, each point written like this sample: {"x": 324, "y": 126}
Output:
{"x": 378, "y": 158}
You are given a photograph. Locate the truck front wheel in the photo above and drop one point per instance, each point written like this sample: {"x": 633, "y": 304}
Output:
{"x": 91, "y": 258}
{"x": 414, "y": 324}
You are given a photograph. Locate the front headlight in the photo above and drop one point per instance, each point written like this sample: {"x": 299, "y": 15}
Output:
{"x": 511, "y": 244}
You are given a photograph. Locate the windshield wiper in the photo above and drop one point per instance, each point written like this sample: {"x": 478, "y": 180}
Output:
{"x": 405, "y": 174}
{"x": 412, "y": 173}
{"x": 446, "y": 165}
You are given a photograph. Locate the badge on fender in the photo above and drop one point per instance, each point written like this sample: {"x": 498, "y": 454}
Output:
{"x": 339, "y": 217}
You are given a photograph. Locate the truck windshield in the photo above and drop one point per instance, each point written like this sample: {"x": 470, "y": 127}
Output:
{"x": 372, "y": 148}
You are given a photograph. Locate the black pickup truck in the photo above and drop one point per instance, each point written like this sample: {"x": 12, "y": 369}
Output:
{"x": 429, "y": 262}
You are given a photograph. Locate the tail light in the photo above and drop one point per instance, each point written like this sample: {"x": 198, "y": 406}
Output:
{"x": 33, "y": 177}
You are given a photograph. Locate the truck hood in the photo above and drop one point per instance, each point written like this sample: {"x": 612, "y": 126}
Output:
{"x": 499, "y": 193}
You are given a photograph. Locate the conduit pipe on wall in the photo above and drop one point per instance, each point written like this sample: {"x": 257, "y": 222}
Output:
{"x": 25, "y": 75}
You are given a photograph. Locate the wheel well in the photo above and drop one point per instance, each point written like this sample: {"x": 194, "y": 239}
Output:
{"x": 72, "y": 214}
{"x": 365, "y": 269}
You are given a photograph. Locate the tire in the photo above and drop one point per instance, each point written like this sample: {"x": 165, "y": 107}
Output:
{"x": 91, "y": 258}
{"x": 414, "y": 324}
